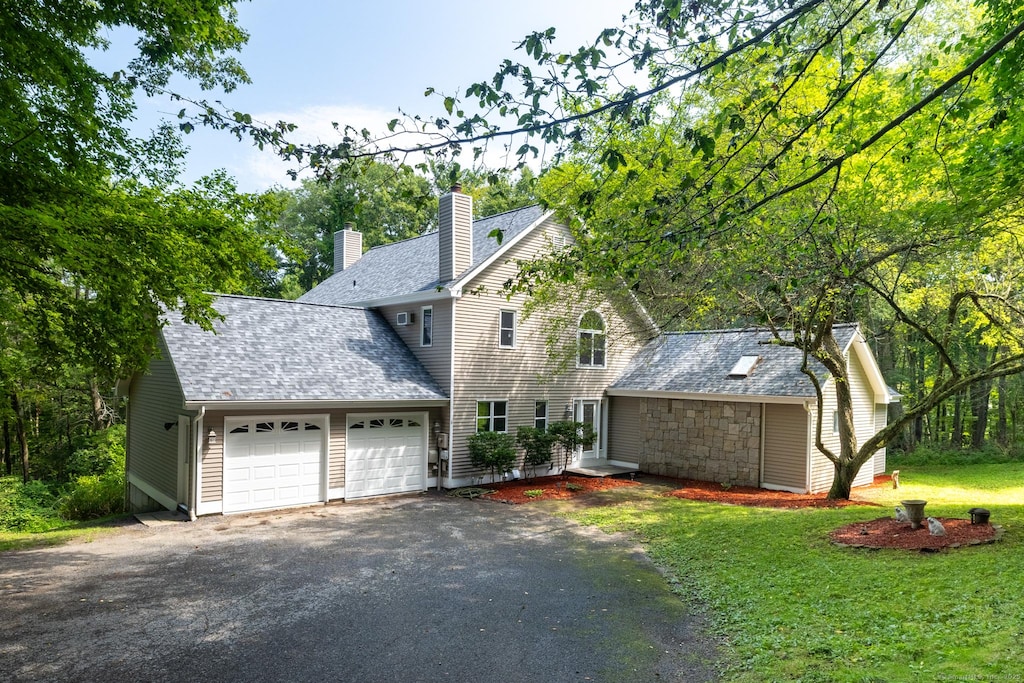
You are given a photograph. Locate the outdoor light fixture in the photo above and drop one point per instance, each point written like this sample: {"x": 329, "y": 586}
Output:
{"x": 169, "y": 425}
{"x": 436, "y": 427}
{"x": 568, "y": 411}
{"x": 211, "y": 437}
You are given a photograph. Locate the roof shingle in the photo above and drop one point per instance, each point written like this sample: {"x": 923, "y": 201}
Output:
{"x": 410, "y": 266}
{"x": 276, "y": 350}
{"x": 699, "y": 363}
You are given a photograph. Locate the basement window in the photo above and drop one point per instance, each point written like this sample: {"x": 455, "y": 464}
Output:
{"x": 744, "y": 366}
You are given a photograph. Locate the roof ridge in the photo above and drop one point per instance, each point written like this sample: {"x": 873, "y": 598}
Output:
{"x": 286, "y": 301}
{"x": 407, "y": 239}
{"x": 502, "y": 213}
{"x": 737, "y": 330}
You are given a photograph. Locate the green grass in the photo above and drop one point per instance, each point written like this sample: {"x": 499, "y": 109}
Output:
{"x": 793, "y": 607}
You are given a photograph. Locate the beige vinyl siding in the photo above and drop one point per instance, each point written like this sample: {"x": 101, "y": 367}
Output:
{"x": 213, "y": 454}
{"x": 624, "y": 428}
{"x": 822, "y": 469}
{"x": 436, "y": 358}
{"x": 785, "y": 446}
{"x": 881, "y": 420}
{"x": 155, "y": 397}
{"x": 212, "y": 468}
{"x": 454, "y": 209}
{"x": 526, "y": 373}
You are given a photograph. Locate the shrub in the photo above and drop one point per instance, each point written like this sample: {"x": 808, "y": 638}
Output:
{"x": 534, "y": 493}
{"x": 97, "y": 489}
{"x": 94, "y": 495}
{"x": 536, "y": 445}
{"x": 495, "y": 451}
{"x": 570, "y": 436}
{"x": 26, "y": 507}
{"x": 103, "y": 452}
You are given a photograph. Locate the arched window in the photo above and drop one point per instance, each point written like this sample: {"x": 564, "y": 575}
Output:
{"x": 591, "y": 340}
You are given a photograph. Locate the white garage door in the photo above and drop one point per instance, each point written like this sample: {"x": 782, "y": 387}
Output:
{"x": 272, "y": 462}
{"x": 385, "y": 454}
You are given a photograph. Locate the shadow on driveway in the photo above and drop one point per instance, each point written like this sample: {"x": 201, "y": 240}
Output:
{"x": 424, "y": 588}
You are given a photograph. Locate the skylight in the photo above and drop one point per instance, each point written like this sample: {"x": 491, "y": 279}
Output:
{"x": 744, "y": 366}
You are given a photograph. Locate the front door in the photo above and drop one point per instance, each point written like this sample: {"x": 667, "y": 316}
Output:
{"x": 589, "y": 412}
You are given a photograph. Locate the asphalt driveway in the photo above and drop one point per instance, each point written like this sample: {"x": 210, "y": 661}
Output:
{"x": 427, "y": 588}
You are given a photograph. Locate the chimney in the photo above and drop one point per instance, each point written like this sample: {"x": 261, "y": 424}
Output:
{"x": 348, "y": 247}
{"x": 454, "y": 234}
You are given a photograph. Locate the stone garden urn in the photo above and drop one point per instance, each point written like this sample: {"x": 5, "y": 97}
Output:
{"x": 915, "y": 511}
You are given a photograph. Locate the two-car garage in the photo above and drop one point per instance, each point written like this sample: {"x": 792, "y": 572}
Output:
{"x": 279, "y": 461}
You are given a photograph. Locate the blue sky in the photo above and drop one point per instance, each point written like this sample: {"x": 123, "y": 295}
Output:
{"x": 313, "y": 62}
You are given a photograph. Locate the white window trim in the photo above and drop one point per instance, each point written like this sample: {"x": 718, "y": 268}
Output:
{"x": 423, "y": 322}
{"x": 547, "y": 413}
{"x": 490, "y": 416}
{"x": 515, "y": 321}
{"x": 580, "y": 331}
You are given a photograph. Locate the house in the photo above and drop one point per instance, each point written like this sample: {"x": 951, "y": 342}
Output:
{"x": 372, "y": 382}
{"x": 734, "y": 407}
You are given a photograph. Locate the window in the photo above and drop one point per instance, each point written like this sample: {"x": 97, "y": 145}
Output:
{"x": 507, "y": 333}
{"x": 540, "y": 415}
{"x": 835, "y": 421}
{"x": 492, "y": 416}
{"x": 591, "y": 340}
{"x": 427, "y": 326}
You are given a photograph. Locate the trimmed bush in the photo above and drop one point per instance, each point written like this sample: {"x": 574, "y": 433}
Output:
{"x": 536, "y": 445}
{"x": 495, "y": 451}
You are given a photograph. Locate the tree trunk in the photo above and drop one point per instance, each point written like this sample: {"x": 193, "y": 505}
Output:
{"x": 8, "y": 456}
{"x": 1002, "y": 437}
{"x": 19, "y": 431}
{"x": 956, "y": 435}
{"x": 980, "y": 393}
{"x": 98, "y": 407}
{"x": 843, "y": 481}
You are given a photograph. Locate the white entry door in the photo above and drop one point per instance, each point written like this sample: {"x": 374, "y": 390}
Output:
{"x": 589, "y": 412}
{"x": 385, "y": 453}
{"x": 273, "y": 462}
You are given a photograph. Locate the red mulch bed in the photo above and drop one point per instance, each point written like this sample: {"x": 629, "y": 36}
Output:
{"x": 710, "y": 491}
{"x": 554, "y": 488}
{"x": 886, "y": 532}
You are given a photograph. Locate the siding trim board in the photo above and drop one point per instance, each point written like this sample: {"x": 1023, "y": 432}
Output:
{"x": 735, "y": 398}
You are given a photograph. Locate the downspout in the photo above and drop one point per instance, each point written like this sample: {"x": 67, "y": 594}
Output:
{"x": 451, "y": 404}
{"x": 193, "y": 483}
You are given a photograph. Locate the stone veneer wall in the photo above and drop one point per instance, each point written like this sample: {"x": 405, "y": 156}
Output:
{"x": 706, "y": 440}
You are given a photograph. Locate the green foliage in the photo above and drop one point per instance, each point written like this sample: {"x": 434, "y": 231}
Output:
{"x": 570, "y": 437}
{"x": 930, "y": 454}
{"x": 536, "y": 445}
{"x": 27, "y": 507}
{"x": 104, "y": 452}
{"x": 97, "y": 486}
{"x": 494, "y": 451}
{"x": 533, "y": 493}
{"x": 792, "y": 607}
{"x": 93, "y": 496}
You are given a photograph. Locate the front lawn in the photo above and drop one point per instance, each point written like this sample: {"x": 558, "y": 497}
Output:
{"x": 793, "y": 607}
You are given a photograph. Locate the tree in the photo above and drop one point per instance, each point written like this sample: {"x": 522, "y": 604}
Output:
{"x": 97, "y": 237}
{"x": 385, "y": 202}
{"x": 570, "y": 437}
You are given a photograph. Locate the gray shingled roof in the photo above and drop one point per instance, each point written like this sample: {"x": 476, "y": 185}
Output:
{"x": 410, "y": 266}
{"x": 275, "y": 350}
{"x": 699, "y": 363}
